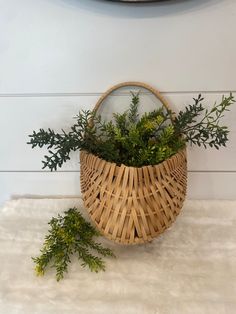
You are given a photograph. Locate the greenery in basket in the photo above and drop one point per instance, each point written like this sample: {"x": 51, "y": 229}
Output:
{"x": 70, "y": 234}
{"x": 133, "y": 140}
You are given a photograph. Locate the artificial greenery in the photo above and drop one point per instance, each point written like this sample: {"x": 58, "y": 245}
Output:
{"x": 206, "y": 130}
{"x": 133, "y": 140}
{"x": 70, "y": 234}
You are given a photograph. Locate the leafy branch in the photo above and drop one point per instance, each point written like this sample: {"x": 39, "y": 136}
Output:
{"x": 207, "y": 130}
{"x": 70, "y": 234}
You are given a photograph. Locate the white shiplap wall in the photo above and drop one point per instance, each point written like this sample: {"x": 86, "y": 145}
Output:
{"x": 57, "y": 56}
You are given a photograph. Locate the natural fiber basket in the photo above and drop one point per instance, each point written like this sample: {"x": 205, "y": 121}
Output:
{"x": 133, "y": 205}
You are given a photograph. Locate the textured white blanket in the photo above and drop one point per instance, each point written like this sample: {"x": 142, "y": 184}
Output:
{"x": 190, "y": 269}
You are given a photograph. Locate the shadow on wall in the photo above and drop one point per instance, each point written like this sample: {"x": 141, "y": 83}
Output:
{"x": 141, "y": 10}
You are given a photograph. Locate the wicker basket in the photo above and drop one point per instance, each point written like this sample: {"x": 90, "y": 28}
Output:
{"x": 133, "y": 205}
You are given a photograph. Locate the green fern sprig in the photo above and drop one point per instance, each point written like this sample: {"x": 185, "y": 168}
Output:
{"x": 70, "y": 234}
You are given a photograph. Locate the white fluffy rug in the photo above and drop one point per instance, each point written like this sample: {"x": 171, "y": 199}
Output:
{"x": 190, "y": 269}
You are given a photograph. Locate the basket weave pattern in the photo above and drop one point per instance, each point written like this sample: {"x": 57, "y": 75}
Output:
{"x": 133, "y": 205}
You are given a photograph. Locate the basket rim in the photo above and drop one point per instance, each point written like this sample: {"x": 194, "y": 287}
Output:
{"x": 182, "y": 152}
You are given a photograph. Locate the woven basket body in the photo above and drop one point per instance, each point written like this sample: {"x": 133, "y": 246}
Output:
{"x": 133, "y": 205}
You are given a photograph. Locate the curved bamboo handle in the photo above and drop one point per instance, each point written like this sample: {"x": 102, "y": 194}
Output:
{"x": 137, "y": 84}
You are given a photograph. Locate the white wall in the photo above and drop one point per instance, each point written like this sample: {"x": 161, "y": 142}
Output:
{"x": 57, "y": 56}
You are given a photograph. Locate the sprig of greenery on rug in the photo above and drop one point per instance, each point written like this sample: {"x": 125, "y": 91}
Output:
{"x": 136, "y": 141}
{"x": 70, "y": 234}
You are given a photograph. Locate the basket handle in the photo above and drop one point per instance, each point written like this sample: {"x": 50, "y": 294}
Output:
{"x": 154, "y": 91}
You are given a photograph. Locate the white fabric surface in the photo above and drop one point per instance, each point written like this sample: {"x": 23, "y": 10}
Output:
{"x": 190, "y": 269}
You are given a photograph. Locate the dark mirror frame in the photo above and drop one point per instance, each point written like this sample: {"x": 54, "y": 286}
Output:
{"x": 137, "y": 1}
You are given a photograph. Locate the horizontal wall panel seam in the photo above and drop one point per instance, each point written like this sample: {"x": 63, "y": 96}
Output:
{"x": 34, "y": 95}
